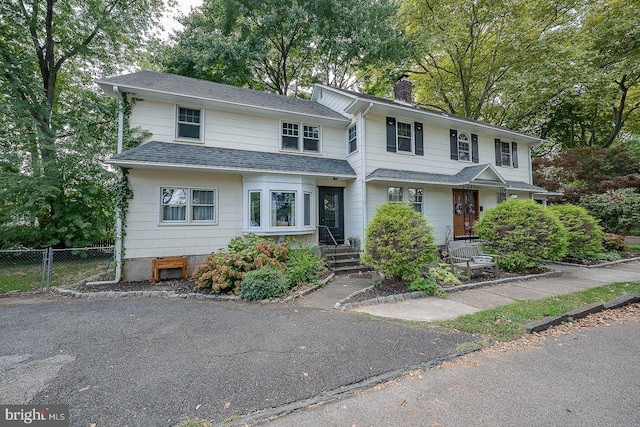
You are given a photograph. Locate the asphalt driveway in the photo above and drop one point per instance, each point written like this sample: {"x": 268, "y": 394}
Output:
{"x": 141, "y": 362}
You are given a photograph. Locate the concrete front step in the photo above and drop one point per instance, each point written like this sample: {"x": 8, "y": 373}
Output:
{"x": 351, "y": 269}
{"x": 343, "y": 259}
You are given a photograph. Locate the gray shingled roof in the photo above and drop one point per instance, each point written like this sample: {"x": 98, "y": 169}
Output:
{"x": 463, "y": 177}
{"x": 429, "y": 111}
{"x": 204, "y": 89}
{"x": 166, "y": 154}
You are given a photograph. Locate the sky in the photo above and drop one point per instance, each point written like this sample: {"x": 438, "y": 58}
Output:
{"x": 183, "y": 6}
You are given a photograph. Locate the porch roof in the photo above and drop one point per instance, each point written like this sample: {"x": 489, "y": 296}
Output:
{"x": 156, "y": 154}
{"x": 468, "y": 176}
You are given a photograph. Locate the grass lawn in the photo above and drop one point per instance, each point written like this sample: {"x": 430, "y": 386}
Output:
{"x": 27, "y": 276}
{"x": 507, "y": 322}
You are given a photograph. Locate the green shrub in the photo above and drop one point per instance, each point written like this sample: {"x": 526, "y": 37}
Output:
{"x": 223, "y": 270}
{"x": 523, "y": 233}
{"x": 618, "y": 211}
{"x": 443, "y": 273}
{"x": 608, "y": 256}
{"x": 429, "y": 286}
{"x": 303, "y": 266}
{"x": 399, "y": 242}
{"x": 584, "y": 235}
{"x": 264, "y": 283}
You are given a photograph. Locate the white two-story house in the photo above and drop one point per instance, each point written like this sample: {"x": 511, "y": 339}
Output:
{"x": 223, "y": 161}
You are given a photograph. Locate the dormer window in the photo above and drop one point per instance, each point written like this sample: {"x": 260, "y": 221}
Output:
{"x": 189, "y": 123}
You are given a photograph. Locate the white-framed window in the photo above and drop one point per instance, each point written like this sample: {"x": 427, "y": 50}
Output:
{"x": 183, "y": 205}
{"x": 189, "y": 123}
{"x": 283, "y": 209}
{"x": 464, "y": 147}
{"x": 416, "y": 198}
{"x": 311, "y": 138}
{"x": 352, "y": 138}
{"x": 505, "y": 153}
{"x": 394, "y": 194}
{"x": 308, "y": 140}
{"x": 307, "y": 209}
{"x": 254, "y": 208}
{"x": 404, "y": 137}
{"x": 290, "y": 136}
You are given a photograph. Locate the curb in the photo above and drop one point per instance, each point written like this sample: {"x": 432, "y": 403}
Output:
{"x": 174, "y": 294}
{"x": 604, "y": 264}
{"x": 142, "y": 294}
{"x": 579, "y": 313}
{"x": 343, "y": 304}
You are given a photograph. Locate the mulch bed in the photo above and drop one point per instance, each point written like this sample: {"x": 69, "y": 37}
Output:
{"x": 388, "y": 287}
{"x": 382, "y": 288}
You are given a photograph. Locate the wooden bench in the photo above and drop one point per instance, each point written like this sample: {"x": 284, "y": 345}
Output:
{"x": 158, "y": 264}
{"x": 461, "y": 257}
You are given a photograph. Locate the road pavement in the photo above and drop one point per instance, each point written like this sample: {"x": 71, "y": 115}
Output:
{"x": 157, "y": 362}
{"x": 589, "y": 378}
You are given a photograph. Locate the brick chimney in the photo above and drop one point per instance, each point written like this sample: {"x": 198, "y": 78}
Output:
{"x": 402, "y": 90}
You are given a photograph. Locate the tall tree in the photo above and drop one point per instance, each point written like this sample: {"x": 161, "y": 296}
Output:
{"x": 55, "y": 127}
{"x": 469, "y": 49}
{"x": 285, "y": 46}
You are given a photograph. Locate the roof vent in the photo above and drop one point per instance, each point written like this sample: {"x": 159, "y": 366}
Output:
{"x": 402, "y": 90}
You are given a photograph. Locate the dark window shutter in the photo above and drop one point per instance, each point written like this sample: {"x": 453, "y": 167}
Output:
{"x": 453, "y": 142}
{"x": 514, "y": 154}
{"x": 419, "y": 139}
{"x": 391, "y": 134}
{"x": 498, "y": 153}
{"x": 475, "y": 156}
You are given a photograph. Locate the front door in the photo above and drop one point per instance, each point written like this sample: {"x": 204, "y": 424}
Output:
{"x": 465, "y": 213}
{"x": 331, "y": 215}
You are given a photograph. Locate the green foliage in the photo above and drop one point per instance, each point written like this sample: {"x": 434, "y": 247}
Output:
{"x": 303, "y": 266}
{"x": 618, "y": 211}
{"x": 608, "y": 256}
{"x": 223, "y": 270}
{"x": 584, "y": 236}
{"x": 56, "y": 128}
{"x": 523, "y": 234}
{"x": 285, "y": 46}
{"x": 507, "y": 322}
{"x": 585, "y": 171}
{"x": 264, "y": 283}
{"x": 429, "y": 286}
{"x": 443, "y": 273}
{"x": 399, "y": 241}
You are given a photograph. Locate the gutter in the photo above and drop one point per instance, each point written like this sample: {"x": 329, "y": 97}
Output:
{"x": 118, "y": 249}
{"x": 364, "y": 171}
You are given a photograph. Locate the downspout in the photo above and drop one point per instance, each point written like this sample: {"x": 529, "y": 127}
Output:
{"x": 118, "y": 249}
{"x": 364, "y": 172}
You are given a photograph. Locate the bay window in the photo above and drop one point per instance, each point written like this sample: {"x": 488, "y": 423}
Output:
{"x": 283, "y": 209}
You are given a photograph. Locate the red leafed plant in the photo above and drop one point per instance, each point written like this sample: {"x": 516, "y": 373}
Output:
{"x": 223, "y": 270}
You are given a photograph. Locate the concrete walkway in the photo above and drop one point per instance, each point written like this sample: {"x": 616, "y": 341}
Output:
{"x": 572, "y": 279}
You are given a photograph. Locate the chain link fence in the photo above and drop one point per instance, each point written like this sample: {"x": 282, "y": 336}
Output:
{"x": 26, "y": 270}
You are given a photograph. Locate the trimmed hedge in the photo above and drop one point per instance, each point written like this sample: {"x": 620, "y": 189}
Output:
{"x": 399, "y": 242}
{"x": 584, "y": 235}
{"x": 523, "y": 233}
